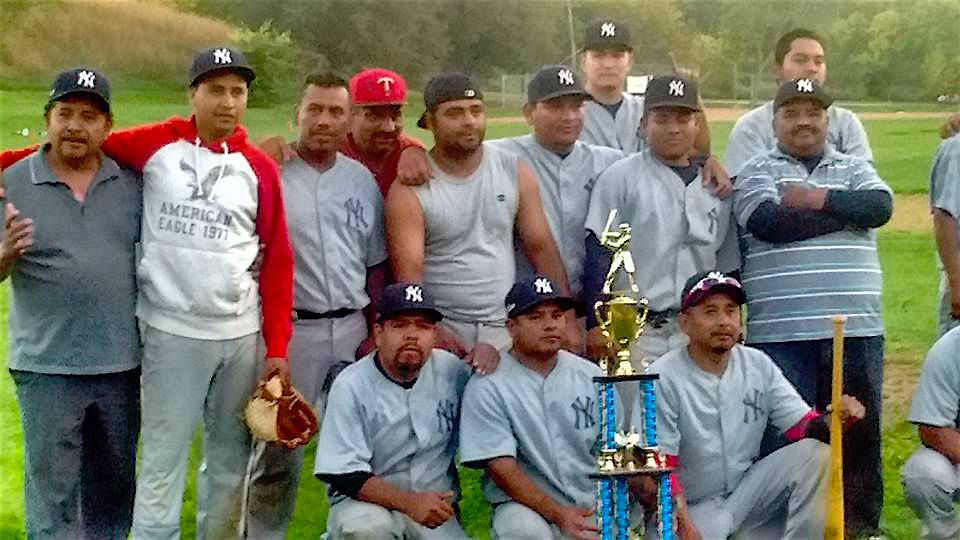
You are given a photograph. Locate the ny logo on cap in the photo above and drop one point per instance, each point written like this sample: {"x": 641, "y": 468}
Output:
{"x": 386, "y": 82}
{"x": 469, "y": 92}
{"x": 413, "y": 294}
{"x": 805, "y": 85}
{"x": 715, "y": 275}
{"x": 565, "y": 76}
{"x": 222, "y": 56}
{"x": 543, "y": 286}
{"x": 86, "y": 79}
{"x": 608, "y": 29}
{"x": 676, "y": 88}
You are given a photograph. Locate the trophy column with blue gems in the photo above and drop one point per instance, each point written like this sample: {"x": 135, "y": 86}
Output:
{"x": 621, "y": 455}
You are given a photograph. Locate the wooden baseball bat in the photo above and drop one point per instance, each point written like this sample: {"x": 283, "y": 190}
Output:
{"x": 834, "y": 529}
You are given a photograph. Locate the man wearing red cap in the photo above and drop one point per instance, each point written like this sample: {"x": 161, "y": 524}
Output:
{"x": 376, "y": 136}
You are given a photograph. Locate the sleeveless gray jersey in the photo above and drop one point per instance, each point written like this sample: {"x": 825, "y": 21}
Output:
{"x": 468, "y": 249}
{"x": 621, "y": 132}
{"x": 565, "y": 186}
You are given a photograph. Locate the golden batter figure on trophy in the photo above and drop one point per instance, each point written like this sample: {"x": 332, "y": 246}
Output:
{"x": 625, "y": 313}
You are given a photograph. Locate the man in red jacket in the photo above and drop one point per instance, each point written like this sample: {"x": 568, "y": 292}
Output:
{"x": 210, "y": 199}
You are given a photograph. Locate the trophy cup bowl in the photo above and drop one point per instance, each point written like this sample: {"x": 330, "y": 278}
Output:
{"x": 622, "y": 323}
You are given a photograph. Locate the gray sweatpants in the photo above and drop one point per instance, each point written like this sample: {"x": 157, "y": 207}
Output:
{"x": 80, "y": 447}
{"x": 184, "y": 379}
{"x": 351, "y": 519}
{"x": 471, "y": 332}
{"x": 931, "y": 486}
{"x": 794, "y": 477}
{"x": 319, "y": 349}
{"x": 514, "y": 521}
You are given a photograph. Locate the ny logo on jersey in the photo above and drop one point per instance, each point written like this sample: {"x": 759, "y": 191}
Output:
{"x": 222, "y": 56}
{"x": 676, "y": 88}
{"x": 565, "y": 76}
{"x": 86, "y": 79}
{"x": 714, "y": 217}
{"x": 355, "y": 214}
{"x": 608, "y": 29}
{"x": 446, "y": 416}
{"x": 583, "y": 412}
{"x": 413, "y": 293}
{"x": 543, "y": 286}
{"x": 805, "y": 85}
{"x": 754, "y": 405}
{"x": 386, "y": 82}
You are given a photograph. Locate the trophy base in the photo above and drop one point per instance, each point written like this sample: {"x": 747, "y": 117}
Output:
{"x": 600, "y": 475}
{"x": 623, "y": 378}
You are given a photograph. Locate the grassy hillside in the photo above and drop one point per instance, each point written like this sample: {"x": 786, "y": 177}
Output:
{"x": 130, "y": 41}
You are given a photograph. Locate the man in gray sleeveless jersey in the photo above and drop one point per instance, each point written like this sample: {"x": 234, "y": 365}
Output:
{"x": 456, "y": 233}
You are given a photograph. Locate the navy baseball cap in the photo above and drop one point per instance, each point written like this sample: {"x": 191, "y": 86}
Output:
{"x": 554, "y": 81}
{"x": 671, "y": 91}
{"x": 219, "y": 58}
{"x": 532, "y": 291}
{"x": 704, "y": 284}
{"x": 401, "y": 298}
{"x": 802, "y": 89}
{"x": 446, "y": 87}
{"x": 607, "y": 34}
{"x": 81, "y": 80}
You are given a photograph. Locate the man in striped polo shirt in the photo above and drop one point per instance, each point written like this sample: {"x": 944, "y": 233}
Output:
{"x": 806, "y": 214}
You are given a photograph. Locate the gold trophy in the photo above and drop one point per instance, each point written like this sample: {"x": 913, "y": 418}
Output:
{"x": 625, "y": 314}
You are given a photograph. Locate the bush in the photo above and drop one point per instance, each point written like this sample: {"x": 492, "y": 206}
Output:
{"x": 274, "y": 58}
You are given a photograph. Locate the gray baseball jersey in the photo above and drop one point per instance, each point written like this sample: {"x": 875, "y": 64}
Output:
{"x": 678, "y": 230}
{"x": 548, "y": 424}
{"x": 407, "y": 437}
{"x": 945, "y": 180}
{"x": 565, "y": 185}
{"x": 936, "y": 401}
{"x": 335, "y": 222}
{"x": 714, "y": 425}
{"x": 622, "y": 131}
{"x": 753, "y": 135}
{"x": 468, "y": 253}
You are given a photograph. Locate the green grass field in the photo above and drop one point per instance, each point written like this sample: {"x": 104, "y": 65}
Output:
{"x": 902, "y": 150}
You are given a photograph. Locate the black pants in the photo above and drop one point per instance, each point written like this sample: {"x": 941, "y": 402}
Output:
{"x": 809, "y": 366}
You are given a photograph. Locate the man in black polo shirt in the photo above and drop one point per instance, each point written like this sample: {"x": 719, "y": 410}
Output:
{"x": 71, "y": 223}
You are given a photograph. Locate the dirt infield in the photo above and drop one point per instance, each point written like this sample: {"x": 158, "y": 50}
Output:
{"x": 911, "y": 213}
{"x": 729, "y": 114}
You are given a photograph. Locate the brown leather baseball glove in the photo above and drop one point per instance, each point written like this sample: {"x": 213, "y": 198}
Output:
{"x": 278, "y": 414}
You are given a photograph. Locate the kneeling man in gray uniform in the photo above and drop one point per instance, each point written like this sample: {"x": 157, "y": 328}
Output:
{"x": 389, "y": 434}
{"x": 931, "y": 477}
{"x": 532, "y": 424}
{"x": 715, "y": 398}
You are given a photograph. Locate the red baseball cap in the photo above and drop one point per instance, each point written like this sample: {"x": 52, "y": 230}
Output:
{"x": 378, "y": 86}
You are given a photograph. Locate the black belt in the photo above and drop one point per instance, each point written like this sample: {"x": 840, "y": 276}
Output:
{"x": 304, "y": 315}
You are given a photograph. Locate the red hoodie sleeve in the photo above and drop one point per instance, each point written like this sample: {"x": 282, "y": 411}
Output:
{"x": 407, "y": 141}
{"x": 132, "y": 147}
{"x": 276, "y": 271}
{"x": 9, "y": 157}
